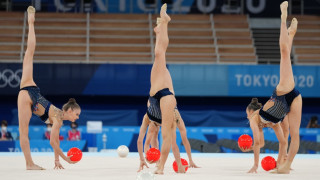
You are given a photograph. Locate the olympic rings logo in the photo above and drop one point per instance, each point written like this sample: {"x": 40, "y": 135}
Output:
{"x": 10, "y": 78}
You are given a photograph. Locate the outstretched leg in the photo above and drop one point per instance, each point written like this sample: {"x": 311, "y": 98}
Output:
{"x": 285, "y": 129}
{"x": 24, "y": 100}
{"x": 286, "y": 83}
{"x": 167, "y": 105}
{"x": 292, "y": 31}
{"x": 24, "y": 115}
{"x": 162, "y": 39}
{"x": 160, "y": 76}
{"x": 27, "y": 69}
{"x": 294, "y": 118}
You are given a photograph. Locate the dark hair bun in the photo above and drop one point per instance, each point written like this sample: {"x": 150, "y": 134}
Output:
{"x": 254, "y": 100}
{"x": 72, "y": 100}
{"x": 254, "y": 104}
{"x": 71, "y": 104}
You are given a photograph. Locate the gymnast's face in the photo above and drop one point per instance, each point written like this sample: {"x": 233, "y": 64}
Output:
{"x": 73, "y": 114}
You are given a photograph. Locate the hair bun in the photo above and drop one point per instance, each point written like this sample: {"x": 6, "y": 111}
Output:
{"x": 254, "y": 100}
{"x": 254, "y": 104}
{"x": 72, "y": 100}
{"x": 71, "y": 104}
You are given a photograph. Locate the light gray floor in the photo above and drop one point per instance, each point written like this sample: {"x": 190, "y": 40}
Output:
{"x": 108, "y": 166}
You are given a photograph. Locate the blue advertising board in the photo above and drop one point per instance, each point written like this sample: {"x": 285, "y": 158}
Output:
{"x": 199, "y": 80}
{"x": 114, "y": 136}
{"x": 240, "y": 80}
{"x": 262, "y": 80}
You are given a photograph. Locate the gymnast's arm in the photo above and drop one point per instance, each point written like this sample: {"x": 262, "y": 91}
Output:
{"x": 154, "y": 140}
{"x": 151, "y": 135}
{"x": 183, "y": 133}
{"x": 256, "y": 144}
{"x": 143, "y": 130}
{"x": 55, "y": 142}
{"x": 261, "y": 138}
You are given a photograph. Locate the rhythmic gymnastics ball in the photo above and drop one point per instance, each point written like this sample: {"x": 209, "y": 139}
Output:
{"x": 76, "y": 154}
{"x": 183, "y": 162}
{"x": 123, "y": 151}
{"x": 153, "y": 155}
{"x": 268, "y": 163}
{"x": 245, "y": 141}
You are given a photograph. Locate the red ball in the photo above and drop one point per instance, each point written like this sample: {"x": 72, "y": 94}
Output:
{"x": 76, "y": 154}
{"x": 153, "y": 155}
{"x": 183, "y": 162}
{"x": 245, "y": 141}
{"x": 268, "y": 163}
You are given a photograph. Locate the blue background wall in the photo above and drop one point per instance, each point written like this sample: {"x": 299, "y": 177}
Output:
{"x": 207, "y": 95}
{"x": 134, "y": 79}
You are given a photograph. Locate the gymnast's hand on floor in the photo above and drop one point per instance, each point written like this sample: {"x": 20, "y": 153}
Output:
{"x": 253, "y": 169}
{"x": 150, "y": 162}
{"x": 193, "y": 165}
{"x": 142, "y": 163}
{"x": 57, "y": 165}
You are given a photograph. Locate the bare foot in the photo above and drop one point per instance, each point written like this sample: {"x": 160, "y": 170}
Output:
{"x": 283, "y": 8}
{"x": 165, "y": 18}
{"x": 35, "y": 167}
{"x": 283, "y": 169}
{"x": 293, "y": 27}
{"x": 31, "y": 12}
{"x": 158, "y": 171}
{"x": 158, "y": 20}
{"x": 274, "y": 171}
